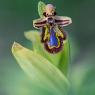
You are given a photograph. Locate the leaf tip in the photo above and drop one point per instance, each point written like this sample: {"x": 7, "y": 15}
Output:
{"x": 16, "y": 46}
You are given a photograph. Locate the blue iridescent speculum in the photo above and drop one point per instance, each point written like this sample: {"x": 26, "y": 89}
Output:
{"x": 53, "y": 41}
{"x": 51, "y": 26}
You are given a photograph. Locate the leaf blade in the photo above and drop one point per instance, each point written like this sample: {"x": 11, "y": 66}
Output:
{"x": 65, "y": 58}
{"x": 40, "y": 69}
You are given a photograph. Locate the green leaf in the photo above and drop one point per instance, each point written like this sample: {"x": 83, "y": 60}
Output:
{"x": 40, "y": 70}
{"x": 41, "y": 8}
{"x": 34, "y": 36}
{"x": 60, "y": 59}
{"x": 65, "y": 58}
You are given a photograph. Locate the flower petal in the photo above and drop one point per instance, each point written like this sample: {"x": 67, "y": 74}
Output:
{"x": 41, "y": 8}
{"x": 40, "y": 70}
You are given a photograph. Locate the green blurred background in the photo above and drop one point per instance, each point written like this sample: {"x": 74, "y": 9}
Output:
{"x": 16, "y": 17}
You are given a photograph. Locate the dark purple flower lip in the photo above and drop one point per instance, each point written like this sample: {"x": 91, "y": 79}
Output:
{"x": 55, "y": 49}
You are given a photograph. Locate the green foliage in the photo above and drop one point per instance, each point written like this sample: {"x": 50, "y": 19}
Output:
{"x": 41, "y": 70}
